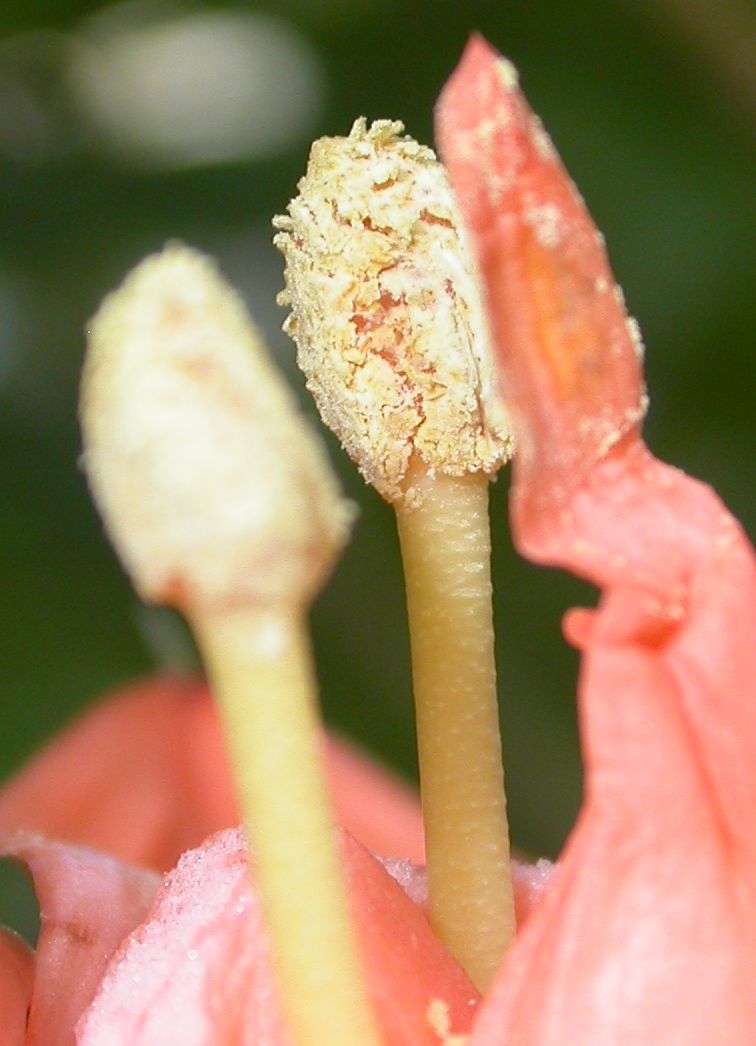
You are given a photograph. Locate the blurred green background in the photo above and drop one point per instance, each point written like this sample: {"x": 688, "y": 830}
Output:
{"x": 124, "y": 125}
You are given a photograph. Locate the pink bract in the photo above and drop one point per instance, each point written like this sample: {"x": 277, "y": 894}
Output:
{"x": 649, "y": 933}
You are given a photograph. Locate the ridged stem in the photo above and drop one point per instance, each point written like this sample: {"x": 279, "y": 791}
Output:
{"x": 446, "y": 549}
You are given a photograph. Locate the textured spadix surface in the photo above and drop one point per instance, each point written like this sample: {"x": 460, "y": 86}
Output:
{"x": 385, "y": 310}
{"x": 211, "y": 485}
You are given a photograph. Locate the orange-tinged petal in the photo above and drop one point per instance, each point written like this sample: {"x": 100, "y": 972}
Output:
{"x": 373, "y": 805}
{"x": 143, "y": 776}
{"x": 648, "y": 933}
{"x": 197, "y": 971}
{"x": 16, "y": 980}
{"x": 569, "y": 359}
{"x": 88, "y": 903}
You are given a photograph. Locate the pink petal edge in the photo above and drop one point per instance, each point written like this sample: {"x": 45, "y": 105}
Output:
{"x": 88, "y": 903}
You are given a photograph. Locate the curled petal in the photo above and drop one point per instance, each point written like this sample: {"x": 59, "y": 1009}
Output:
{"x": 649, "y": 932}
{"x": 88, "y": 903}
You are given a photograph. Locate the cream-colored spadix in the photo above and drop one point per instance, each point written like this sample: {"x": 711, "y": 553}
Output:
{"x": 212, "y": 488}
{"x": 385, "y": 311}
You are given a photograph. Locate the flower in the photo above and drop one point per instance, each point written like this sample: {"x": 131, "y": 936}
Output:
{"x": 647, "y": 931}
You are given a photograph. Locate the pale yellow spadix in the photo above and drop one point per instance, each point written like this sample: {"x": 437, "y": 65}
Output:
{"x": 220, "y": 502}
{"x": 212, "y": 488}
{"x": 390, "y": 334}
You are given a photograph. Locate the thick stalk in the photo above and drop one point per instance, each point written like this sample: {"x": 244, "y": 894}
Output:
{"x": 260, "y": 666}
{"x": 446, "y": 550}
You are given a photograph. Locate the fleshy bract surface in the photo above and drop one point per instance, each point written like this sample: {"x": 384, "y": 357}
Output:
{"x": 649, "y": 932}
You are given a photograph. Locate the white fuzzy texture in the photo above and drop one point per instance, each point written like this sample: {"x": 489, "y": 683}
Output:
{"x": 212, "y": 488}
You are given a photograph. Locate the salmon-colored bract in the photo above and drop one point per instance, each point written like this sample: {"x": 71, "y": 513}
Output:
{"x": 649, "y": 932}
